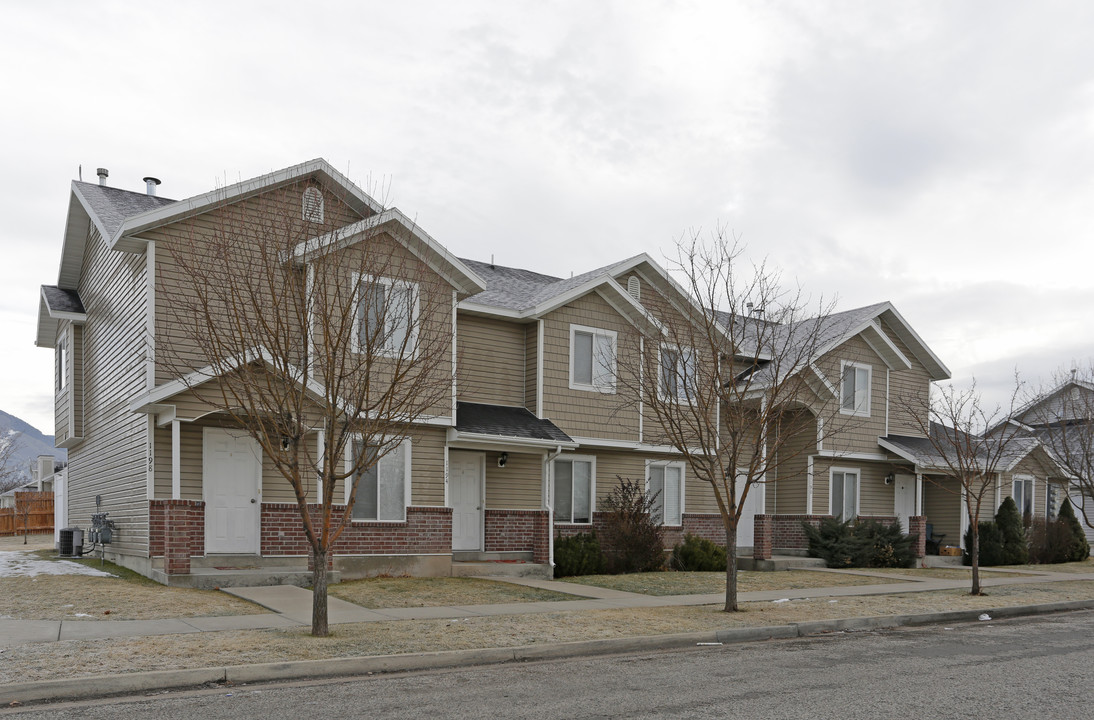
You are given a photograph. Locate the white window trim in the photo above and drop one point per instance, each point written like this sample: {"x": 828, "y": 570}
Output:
{"x": 64, "y": 346}
{"x": 358, "y": 280}
{"x": 683, "y": 485}
{"x": 1023, "y": 478}
{"x": 661, "y": 375}
{"x": 407, "y": 447}
{"x": 844, "y": 364}
{"x": 591, "y": 459}
{"x": 319, "y": 205}
{"x": 593, "y": 387}
{"x": 858, "y": 487}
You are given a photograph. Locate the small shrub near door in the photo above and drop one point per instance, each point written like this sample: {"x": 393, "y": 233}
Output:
{"x": 578, "y": 555}
{"x": 697, "y": 554}
{"x": 866, "y": 543}
{"x": 991, "y": 545}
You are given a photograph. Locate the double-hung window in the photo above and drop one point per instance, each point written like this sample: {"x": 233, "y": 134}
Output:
{"x": 1022, "y": 492}
{"x": 383, "y": 489}
{"x": 592, "y": 359}
{"x": 677, "y": 373}
{"x": 1052, "y": 501}
{"x": 665, "y": 485}
{"x": 855, "y": 390}
{"x": 387, "y": 317}
{"x": 574, "y": 487}
{"x": 62, "y": 362}
{"x": 844, "y": 484}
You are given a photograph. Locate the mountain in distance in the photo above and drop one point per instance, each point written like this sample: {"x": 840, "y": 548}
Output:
{"x": 32, "y": 442}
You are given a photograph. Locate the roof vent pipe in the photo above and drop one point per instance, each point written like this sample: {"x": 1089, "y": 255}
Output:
{"x": 103, "y": 174}
{"x": 151, "y": 183}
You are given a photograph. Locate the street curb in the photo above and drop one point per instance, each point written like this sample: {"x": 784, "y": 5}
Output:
{"x": 107, "y": 685}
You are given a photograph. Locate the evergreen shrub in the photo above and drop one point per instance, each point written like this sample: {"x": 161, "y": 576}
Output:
{"x": 1013, "y": 531}
{"x": 697, "y": 554}
{"x": 865, "y": 543}
{"x": 578, "y": 555}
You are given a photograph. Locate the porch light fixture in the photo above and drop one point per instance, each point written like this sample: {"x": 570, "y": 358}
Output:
{"x": 502, "y": 459}
{"x": 890, "y": 478}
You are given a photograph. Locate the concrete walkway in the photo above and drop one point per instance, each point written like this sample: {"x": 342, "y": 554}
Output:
{"x": 291, "y": 606}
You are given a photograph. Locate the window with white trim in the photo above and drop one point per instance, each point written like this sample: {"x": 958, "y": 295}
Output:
{"x": 1022, "y": 492}
{"x": 1053, "y": 500}
{"x": 387, "y": 317}
{"x": 844, "y": 495}
{"x": 677, "y": 379}
{"x": 592, "y": 359}
{"x": 62, "y": 362}
{"x": 312, "y": 204}
{"x": 383, "y": 490}
{"x": 855, "y": 389}
{"x": 575, "y": 483}
{"x": 665, "y": 485}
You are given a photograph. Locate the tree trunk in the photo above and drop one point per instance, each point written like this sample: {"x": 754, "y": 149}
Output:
{"x": 731, "y": 570}
{"x": 319, "y": 594}
{"x": 974, "y": 554}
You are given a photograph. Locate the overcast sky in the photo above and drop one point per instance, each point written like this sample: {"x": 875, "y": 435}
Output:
{"x": 936, "y": 154}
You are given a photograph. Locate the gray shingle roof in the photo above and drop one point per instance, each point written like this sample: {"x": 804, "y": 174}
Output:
{"x": 112, "y": 206}
{"x": 519, "y": 290}
{"x": 61, "y": 300}
{"x": 924, "y": 452}
{"x": 515, "y": 422}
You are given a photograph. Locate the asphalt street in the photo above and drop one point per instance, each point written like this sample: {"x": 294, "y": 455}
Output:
{"x": 1021, "y": 668}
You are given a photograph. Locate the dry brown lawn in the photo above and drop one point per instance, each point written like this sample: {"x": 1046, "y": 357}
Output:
{"x": 698, "y": 583}
{"x": 52, "y": 660}
{"x": 944, "y": 573}
{"x": 436, "y": 592}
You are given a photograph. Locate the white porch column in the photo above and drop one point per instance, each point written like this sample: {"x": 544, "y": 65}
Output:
{"x": 176, "y": 460}
{"x": 919, "y": 493}
{"x": 320, "y": 446}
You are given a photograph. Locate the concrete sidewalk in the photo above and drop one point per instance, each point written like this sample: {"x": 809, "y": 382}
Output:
{"x": 291, "y": 606}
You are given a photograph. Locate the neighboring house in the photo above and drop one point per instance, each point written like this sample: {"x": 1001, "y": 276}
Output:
{"x": 534, "y": 438}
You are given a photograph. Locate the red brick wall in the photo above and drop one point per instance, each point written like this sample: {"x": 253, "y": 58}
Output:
{"x": 787, "y": 532}
{"x": 427, "y": 530}
{"x": 917, "y": 525}
{"x": 176, "y": 530}
{"x": 517, "y": 531}
{"x": 762, "y": 536}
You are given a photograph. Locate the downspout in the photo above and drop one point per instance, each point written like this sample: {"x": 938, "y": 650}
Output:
{"x": 550, "y": 476}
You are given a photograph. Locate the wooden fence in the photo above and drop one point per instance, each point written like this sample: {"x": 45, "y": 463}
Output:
{"x": 33, "y": 511}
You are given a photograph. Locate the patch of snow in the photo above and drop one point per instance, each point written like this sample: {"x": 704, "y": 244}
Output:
{"x": 82, "y": 615}
{"x": 25, "y": 564}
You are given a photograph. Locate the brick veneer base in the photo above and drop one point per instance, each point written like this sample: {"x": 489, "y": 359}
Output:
{"x": 917, "y": 525}
{"x": 427, "y": 530}
{"x": 176, "y": 530}
{"x": 706, "y": 526}
{"x": 518, "y": 531}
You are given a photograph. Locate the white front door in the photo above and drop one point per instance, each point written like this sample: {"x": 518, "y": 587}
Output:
{"x": 753, "y": 506}
{"x": 232, "y": 482}
{"x": 465, "y": 480}
{"x": 904, "y": 499}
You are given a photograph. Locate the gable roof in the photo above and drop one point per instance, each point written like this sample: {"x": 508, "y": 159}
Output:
{"x": 57, "y": 304}
{"x": 506, "y": 421}
{"x": 923, "y": 451}
{"x": 1052, "y": 407}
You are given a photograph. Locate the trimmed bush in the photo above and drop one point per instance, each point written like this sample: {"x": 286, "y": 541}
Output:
{"x": 633, "y": 540}
{"x": 697, "y": 554}
{"x": 1078, "y": 548}
{"x": 991, "y": 545}
{"x": 578, "y": 555}
{"x": 866, "y": 543}
{"x": 1013, "y": 532}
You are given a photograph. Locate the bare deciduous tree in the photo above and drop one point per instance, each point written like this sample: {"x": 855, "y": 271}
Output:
{"x": 10, "y": 472}
{"x": 959, "y": 428}
{"x": 324, "y": 340}
{"x": 726, "y": 381}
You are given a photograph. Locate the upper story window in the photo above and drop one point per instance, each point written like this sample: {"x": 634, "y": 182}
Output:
{"x": 575, "y": 485}
{"x": 383, "y": 491}
{"x": 855, "y": 389}
{"x": 592, "y": 359}
{"x": 62, "y": 362}
{"x": 387, "y": 317}
{"x": 677, "y": 379}
{"x": 313, "y": 205}
{"x": 844, "y": 495}
{"x": 665, "y": 484}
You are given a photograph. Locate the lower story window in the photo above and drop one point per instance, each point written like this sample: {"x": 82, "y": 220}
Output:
{"x": 1022, "y": 492}
{"x": 383, "y": 489}
{"x": 665, "y": 485}
{"x": 845, "y": 494}
{"x": 1053, "y": 500}
{"x": 573, "y": 491}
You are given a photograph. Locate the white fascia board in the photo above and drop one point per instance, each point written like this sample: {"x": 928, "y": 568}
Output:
{"x": 885, "y": 348}
{"x": 125, "y": 241}
{"x": 490, "y": 311}
{"x": 621, "y": 301}
{"x": 828, "y": 385}
{"x": 482, "y": 440}
{"x": 873, "y": 457}
{"x": 79, "y": 220}
{"x": 920, "y": 349}
{"x": 898, "y": 451}
{"x": 435, "y": 255}
{"x": 46, "y": 335}
{"x": 628, "y": 445}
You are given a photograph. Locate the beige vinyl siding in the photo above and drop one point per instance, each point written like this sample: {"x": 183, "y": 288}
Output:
{"x": 62, "y": 399}
{"x": 610, "y": 466}
{"x": 174, "y": 351}
{"x": 788, "y": 493}
{"x": 875, "y": 497}
{"x": 943, "y": 507}
{"x": 586, "y": 413}
{"x": 76, "y": 380}
{"x": 111, "y": 461}
{"x": 491, "y": 360}
{"x": 851, "y": 433}
{"x": 908, "y": 392}
{"x": 531, "y": 367}
{"x": 427, "y": 466}
{"x": 518, "y": 485}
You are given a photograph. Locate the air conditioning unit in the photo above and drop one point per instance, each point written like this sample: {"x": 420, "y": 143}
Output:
{"x": 72, "y": 542}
